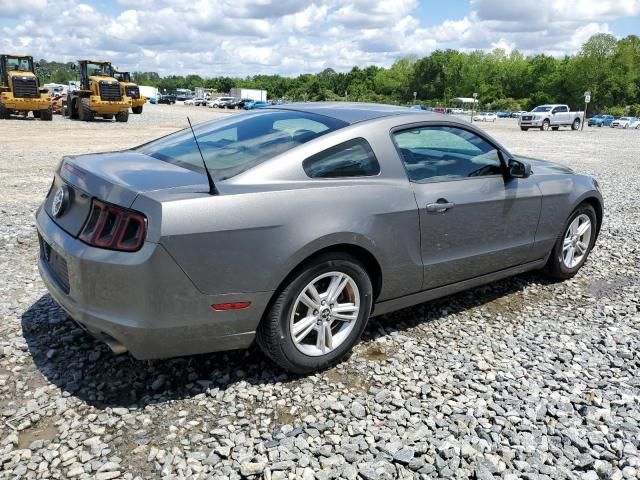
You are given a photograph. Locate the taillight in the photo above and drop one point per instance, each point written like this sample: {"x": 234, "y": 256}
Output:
{"x": 113, "y": 227}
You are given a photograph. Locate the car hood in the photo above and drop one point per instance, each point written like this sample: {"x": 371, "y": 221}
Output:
{"x": 118, "y": 177}
{"x": 543, "y": 166}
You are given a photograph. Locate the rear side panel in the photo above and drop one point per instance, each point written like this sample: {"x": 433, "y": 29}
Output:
{"x": 250, "y": 242}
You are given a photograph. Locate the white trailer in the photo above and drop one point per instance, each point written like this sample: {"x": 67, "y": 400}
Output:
{"x": 249, "y": 94}
{"x": 147, "y": 91}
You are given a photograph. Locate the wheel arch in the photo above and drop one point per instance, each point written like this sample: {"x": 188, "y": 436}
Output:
{"x": 596, "y": 203}
{"x": 360, "y": 253}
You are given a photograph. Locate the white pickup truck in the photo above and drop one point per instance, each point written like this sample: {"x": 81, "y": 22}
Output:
{"x": 550, "y": 117}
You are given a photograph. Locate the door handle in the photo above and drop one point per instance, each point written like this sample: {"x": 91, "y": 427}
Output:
{"x": 440, "y": 206}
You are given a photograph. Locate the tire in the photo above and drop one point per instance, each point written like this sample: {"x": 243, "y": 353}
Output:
{"x": 524, "y": 129}
{"x": 557, "y": 265}
{"x": 4, "y": 113}
{"x": 122, "y": 117}
{"x": 274, "y": 335}
{"x": 137, "y": 110}
{"x": 85, "y": 113}
{"x": 36, "y": 114}
{"x": 576, "y": 124}
{"x": 46, "y": 115}
{"x": 545, "y": 126}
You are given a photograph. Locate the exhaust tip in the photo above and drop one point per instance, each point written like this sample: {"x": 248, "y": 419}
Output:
{"x": 116, "y": 347}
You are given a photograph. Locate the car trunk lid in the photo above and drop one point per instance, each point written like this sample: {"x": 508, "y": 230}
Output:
{"x": 116, "y": 178}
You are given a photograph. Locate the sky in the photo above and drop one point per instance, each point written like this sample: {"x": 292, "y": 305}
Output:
{"x": 289, "y": 37}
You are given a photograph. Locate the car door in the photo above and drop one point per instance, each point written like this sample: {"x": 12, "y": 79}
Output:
{"x": 473, "y": 220}
{"x": 561, "y": 116}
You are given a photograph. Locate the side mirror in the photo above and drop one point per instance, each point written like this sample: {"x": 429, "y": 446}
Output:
{"x": 518, "y": 169}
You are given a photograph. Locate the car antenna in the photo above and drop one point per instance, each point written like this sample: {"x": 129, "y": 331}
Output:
{"x": 212, "y": 186}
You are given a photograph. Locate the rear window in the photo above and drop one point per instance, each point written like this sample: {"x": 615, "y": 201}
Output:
{"x": 237, "y": 143}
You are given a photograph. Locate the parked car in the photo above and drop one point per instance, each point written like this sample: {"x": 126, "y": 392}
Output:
{"x": 255, "y": 104}
{"x": 551, "y": 117}
{"x": 625, "y": 122}
{"x": 153, "y": 100}
{"x": 484, "y": 117}
{"x": 600, "y": 120}
{"x": 167, "y": 99}
{"x": 239, "y": 104}
{"x": 503, "y": 114}
{"x": 418, "y": 107}
{"x": 198, "y": 101}
{"x": 221, "y": 102}
{"x": 307, "y": 219}
{"x": 517, "y": 114}
{"x": 439, "y": 110}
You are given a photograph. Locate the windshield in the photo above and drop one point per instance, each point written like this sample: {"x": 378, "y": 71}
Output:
{"x": 543, "y": 108}
{"x": 19, "y": 64}
{"x": 624, "y": 119}
{"x": 122, "y": 76}
{"x": 99, "y": 69}
{"x": 235, "y": 144}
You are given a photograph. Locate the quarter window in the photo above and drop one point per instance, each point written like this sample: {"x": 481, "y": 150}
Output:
{"x": 354, "y": 158}
{"x": 436, "y": 154}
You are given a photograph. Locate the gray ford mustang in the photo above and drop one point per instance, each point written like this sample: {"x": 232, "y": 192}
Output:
{"x": 307, "y": 220}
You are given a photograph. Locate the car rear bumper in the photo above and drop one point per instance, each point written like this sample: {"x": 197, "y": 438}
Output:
{"x": 141, "y": 302}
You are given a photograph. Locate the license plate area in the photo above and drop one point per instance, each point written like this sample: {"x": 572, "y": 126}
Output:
{"x": 56, "y": 264}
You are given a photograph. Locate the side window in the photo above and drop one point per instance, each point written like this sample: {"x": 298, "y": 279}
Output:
{"x": 354, "y": 158}
{"x": 436, "y": 154}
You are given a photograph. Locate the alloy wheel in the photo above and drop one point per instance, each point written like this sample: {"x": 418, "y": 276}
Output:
{"x": 577, "y": 239}
{"x": 324, "y": 313}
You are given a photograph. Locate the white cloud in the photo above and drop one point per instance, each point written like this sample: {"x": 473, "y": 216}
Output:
{"x": 244, "y": 37}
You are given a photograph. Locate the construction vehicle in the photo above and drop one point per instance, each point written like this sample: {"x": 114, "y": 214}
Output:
{"x": 98, "y": 94}
{"x": 20, "y": 91}
{"x": 131, "y": 90}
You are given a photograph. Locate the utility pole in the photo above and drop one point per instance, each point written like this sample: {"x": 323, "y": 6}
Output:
{"x": 473, "y": 105}
{"x": 587, "y": 99}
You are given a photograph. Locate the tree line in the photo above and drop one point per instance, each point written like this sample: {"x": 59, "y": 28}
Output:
{"x": 606, "y": 66}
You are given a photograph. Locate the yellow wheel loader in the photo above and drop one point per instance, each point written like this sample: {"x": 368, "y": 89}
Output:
{"x": 20, "y": 91}
{"x": 99, "y": 94}
{"x": 131, "y": 90}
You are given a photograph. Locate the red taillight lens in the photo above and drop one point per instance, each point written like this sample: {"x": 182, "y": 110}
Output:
{"x": 113, "y": 227}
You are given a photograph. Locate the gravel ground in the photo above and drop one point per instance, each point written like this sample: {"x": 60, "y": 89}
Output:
{"x": 523, "y": 378}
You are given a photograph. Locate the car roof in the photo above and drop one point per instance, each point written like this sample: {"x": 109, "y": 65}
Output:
{"x": 350, "y": 112}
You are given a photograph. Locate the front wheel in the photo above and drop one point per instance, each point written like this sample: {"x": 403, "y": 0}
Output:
{"x": 85, "y": 113}
{"x": 122, "y": 117}
{"x": 576, "y": 124}
{"x": 545, "y": 126}
{"x": 46, "y": 115}
{"x": 318, "y": 317}
{"x": 137, "y": 110}
{"x": 574, "y": 245}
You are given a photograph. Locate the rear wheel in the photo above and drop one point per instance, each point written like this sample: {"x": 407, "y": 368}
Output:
{"x": 4, "y": 113}
{"x": 319, "y": 315}
{"x": 576, "y": 124}
{"x": 137, "y": 110}
{"x": 85, "y": 113}
{"x": 575, "y": 243}
{"x": 122, "y": 117}
{"x": 545, "y": 126}
{"x": 46, "y": 115}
